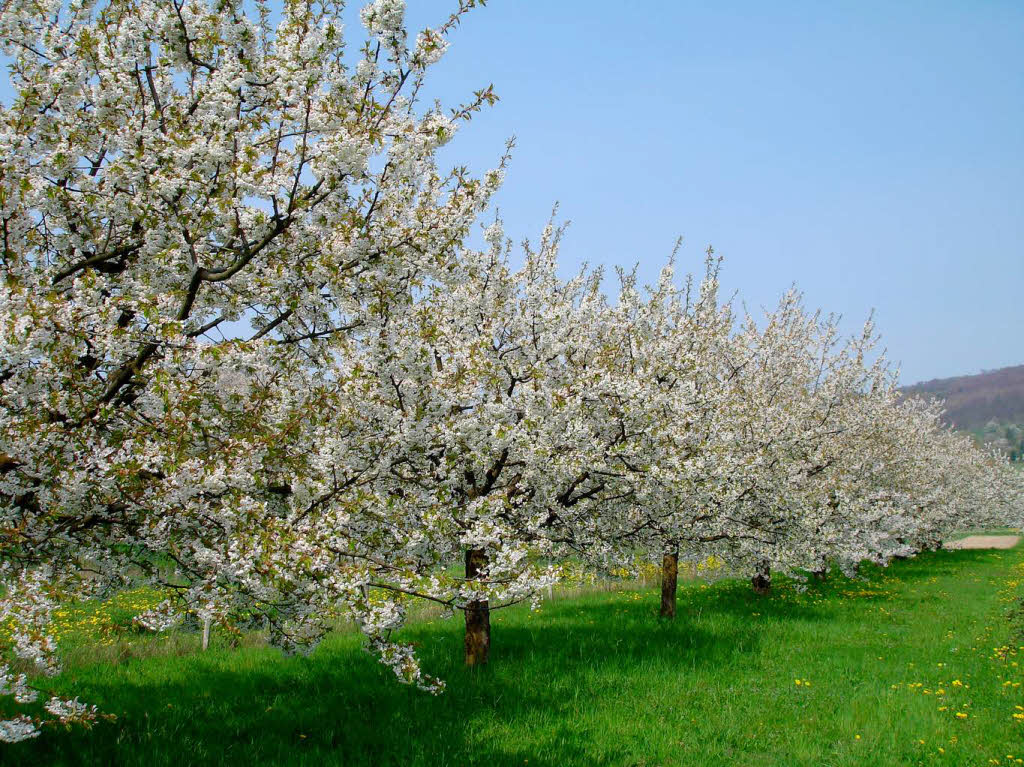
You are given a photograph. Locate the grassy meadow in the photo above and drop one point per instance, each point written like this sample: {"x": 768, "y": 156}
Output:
{"x": 916, "y": 664}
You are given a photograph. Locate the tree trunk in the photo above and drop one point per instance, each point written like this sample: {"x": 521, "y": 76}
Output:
{"x": 821, "y": 573}
{"x": 669, "y": 581}
{"x": 478, "y": 615}
{"x": 206, "y": 633}
{"x": 762, "y": 580}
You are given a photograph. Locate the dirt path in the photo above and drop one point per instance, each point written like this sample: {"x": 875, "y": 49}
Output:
{"x": 984, "y": 542}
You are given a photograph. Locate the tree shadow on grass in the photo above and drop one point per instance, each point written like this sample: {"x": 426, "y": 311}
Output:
{"x": 339, "y": 707}
{"x": 925, "y": 566}
{"x": 736, "y": 598}
{"x": 930, "y": 564}
{"x": 822, "y": 600}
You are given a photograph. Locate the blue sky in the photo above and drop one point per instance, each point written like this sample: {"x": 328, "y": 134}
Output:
{"x": 872, "y": 153}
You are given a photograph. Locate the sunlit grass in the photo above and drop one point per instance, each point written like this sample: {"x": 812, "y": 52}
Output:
{"x": 917, "y": 664}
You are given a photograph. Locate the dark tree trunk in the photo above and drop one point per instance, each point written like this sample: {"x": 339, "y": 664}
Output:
{"x": 478, "y": 615}
{"x": 669, "y": 581}
{"x": 901, "y": 556}
{"x": 821, "y": 573}
{"x": 762, "y": 580}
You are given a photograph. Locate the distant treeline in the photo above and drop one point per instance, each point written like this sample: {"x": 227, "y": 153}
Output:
{"x": 990, "y": 405}
{"x": 1008, "y": 437}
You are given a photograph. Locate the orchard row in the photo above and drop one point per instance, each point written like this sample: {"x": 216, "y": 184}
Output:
{"x": 247, "y": 355}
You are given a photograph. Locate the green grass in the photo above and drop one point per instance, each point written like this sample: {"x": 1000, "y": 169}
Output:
{"x": 598, "y": 680}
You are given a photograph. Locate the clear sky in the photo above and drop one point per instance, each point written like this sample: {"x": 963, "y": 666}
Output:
{"x": 870, "y": 152}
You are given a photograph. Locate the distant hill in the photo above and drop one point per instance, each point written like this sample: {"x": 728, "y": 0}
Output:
{"x": 990, "y": 405}
{"x": 973, "y": 401}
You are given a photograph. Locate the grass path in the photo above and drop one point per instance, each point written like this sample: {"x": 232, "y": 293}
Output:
{"x": 913, "y": 666}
